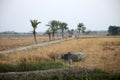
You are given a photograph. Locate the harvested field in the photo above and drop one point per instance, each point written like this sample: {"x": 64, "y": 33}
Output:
{"x": 101, "y": 52}
{"x": 9, "y": 42}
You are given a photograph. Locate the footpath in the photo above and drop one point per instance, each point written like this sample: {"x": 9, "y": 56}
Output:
{"x": 33, "y": 46}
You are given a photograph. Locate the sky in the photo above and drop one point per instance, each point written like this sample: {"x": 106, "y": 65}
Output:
{"x": 15, "y": 15}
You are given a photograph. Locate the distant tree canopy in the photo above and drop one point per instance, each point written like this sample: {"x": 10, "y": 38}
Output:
{"x": 54, "y": 26}
{"x": 114, "y": 30}
{"x": 70, "y": 32}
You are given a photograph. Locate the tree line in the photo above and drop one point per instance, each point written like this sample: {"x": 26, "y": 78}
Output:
{"x": 114, "y": 30}
{"x": 54, "y": 26}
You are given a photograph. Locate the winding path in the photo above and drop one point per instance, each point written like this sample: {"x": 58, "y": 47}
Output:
{"x": 33, "y": 46}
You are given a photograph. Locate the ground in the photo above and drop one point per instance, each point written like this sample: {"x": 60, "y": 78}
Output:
{"x": 101, "y": 52}
{"x": 9, "y": 42}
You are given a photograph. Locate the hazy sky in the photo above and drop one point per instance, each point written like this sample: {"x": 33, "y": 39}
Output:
{"x": 15, "y": 15}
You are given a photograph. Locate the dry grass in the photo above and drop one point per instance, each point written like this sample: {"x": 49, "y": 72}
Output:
{"x": 9, "y": 42}
{"x": 103, "y": 53}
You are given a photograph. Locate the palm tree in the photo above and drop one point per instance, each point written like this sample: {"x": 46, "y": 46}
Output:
{"x": 34, "y": 24}
{"x": 70, "y": 32}
{"x": 83, "y": 29}
{"x": 79, "y": 27}
{"x": 63, "y": 26}
{"x": 48, "y": 32}
{"x": 53, "y": 27}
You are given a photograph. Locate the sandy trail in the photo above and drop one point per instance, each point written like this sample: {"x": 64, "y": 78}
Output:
{"x": 33, "y": 46}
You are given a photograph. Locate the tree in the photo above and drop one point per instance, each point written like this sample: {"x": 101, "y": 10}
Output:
{"x": 114, "y": 30}
{"x": 87, "y": 32}
{"x": 71, "y": 32}
{"x": 79, "y": 27}
{"x": 63, "y": 26}
{"x": 34, "y": 24}
{"x": 48, "y": 32}
{"x": 53, "y": 27}
{"x": 83, "y": 29}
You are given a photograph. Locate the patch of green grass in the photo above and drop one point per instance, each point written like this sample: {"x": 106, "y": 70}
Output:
{"x": 30, "y": 66}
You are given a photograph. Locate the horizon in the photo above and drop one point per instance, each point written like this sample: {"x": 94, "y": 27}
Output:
{"x": 97, "y": 15}
{"x": 43, "y": 31}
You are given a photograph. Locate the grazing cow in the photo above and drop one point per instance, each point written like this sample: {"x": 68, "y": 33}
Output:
{"x": 71, "y": 57}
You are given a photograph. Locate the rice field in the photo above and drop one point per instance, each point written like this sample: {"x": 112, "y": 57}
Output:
{"x": 101, "y": 52}
{"x": 9, "y": 42}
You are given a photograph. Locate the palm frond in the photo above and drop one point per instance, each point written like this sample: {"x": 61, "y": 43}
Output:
{"x": 34, "y": 23}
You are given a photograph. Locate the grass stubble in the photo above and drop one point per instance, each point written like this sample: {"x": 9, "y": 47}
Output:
{"x": 101, "y": 53}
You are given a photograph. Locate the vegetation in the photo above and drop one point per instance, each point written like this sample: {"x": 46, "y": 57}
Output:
{"x": 48, "y": 32}
{"x": 11, "y": 42}
{"x": 25, "y": 65}
{"x": 114, "y": 30}
{"x": 102, "y": 53}
{"x": 53, "y": 27}
{"x": 96, "y": 56}
{"x": 63, "y": 26}
{"x": 47, "y": 57}
{"x": 79, "y": 27}
{"x": 71, "y": 32}
{"x": 69, "y": 76}
{"x": 42, "y": 58}
{"x": 63, "y": 74}
{"x": 34, "y": 24}
{"x": 83, "y": 29}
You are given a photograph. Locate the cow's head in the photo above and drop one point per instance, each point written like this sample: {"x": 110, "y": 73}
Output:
{"x": 65, "y": 56}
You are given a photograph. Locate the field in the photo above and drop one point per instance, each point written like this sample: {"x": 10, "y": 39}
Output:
{"x": 101, "y": 52}
{"x": 9, "y": 42}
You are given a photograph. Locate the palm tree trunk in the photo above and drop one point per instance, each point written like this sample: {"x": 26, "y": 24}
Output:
{"x": 49, "y": 37}
{"x": 57, "y": 35}
{"x": 34, "y": 33}
{"x": 53, "y": 36}
{"x": 79, "y": 33}
{"x": 62, "y": 33}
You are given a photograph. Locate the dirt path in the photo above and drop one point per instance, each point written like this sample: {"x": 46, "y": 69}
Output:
{"x": 33, "y": 46}
{"x": 35, "y": 75}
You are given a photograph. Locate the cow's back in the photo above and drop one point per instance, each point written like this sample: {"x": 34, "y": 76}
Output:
{"x": 77, "y": 56}
{"x": 73, "y": 56}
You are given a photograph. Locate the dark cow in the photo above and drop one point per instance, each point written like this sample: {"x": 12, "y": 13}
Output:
{"x": 71, "y": 57}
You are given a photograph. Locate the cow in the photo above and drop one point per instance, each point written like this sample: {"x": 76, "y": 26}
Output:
{"x": 72, "y": 57}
